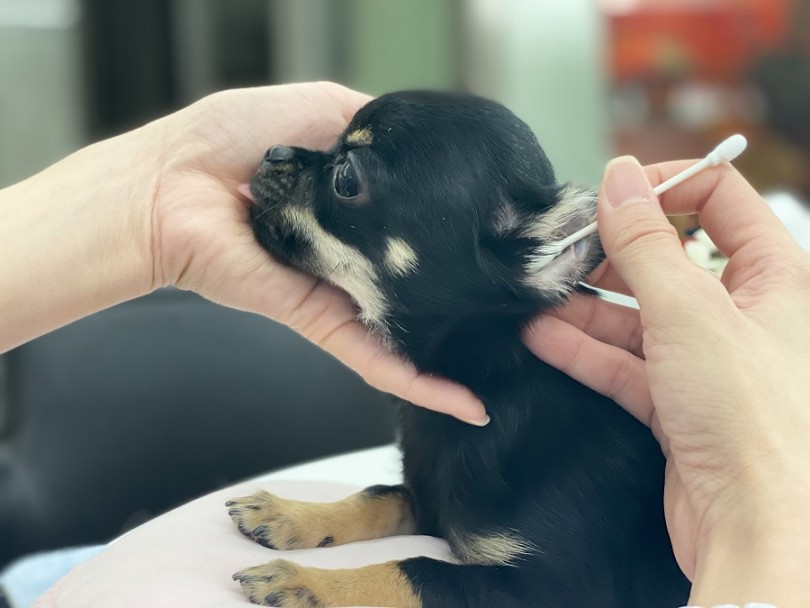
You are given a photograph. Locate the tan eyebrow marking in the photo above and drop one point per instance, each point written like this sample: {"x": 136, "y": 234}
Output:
{"x": 361, "y": 137}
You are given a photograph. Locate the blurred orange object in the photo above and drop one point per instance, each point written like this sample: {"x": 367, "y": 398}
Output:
{"x": 711, "y": 39}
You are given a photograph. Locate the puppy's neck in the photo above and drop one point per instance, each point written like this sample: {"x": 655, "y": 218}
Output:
{"x": 466, "y": 349}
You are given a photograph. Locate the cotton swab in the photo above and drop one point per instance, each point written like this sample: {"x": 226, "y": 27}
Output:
{"x": 727, "y": 151}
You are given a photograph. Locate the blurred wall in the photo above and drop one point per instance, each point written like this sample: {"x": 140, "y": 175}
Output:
{"x": 546, "y": 61}
{"x": 84, "y": 76}
{"x": 368, "y": 45}
{"x": 41, "y": 85}
{"x": 402, "y": 45}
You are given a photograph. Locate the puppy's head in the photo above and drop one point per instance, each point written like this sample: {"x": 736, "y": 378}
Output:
{"x": 429, "y": 205}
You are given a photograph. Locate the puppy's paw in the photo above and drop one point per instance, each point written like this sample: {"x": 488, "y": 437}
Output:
{"x": 280, "y": 583}
{"x": 279, "y": 523}
{"x": 285, "y": 584}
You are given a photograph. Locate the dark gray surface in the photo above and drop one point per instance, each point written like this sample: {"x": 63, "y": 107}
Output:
{"x": 4, "y": 404}
{"x": 124, "y": 414}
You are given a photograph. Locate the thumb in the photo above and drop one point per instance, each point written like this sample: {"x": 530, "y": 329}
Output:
{"x": 639, "y": 241}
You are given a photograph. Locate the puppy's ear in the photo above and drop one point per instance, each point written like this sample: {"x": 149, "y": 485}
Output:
{"x": 515, "y": 241}
{"x": 504, "y": 245}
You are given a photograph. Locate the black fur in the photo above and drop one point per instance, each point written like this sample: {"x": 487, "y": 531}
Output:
{"x": 559, "y": 467}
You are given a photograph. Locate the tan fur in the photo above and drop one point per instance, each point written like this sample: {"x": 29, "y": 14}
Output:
{"x": 289, "y": 585}
{"x": 361, "y": 137}
{"x": 498, "y": 549}
{"x": 341, "y": 265}
{"x": 292, "y": 524}
{"x": 400, "y": 258}
{"x": 576, "y": 206}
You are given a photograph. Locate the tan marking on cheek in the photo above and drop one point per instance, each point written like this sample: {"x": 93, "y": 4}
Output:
{"x": 400, "y": 258}
{"x": 497, "y": 549}
{"x": 342, "y": 265}
{"x": 302, "y": 587}
{"x": 361, "y": 137}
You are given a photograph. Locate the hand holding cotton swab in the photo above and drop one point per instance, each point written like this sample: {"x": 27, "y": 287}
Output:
{"x": 727, "y": 151}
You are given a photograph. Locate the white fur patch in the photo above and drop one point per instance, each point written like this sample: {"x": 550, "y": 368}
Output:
{"x": 400, "y": 258}
{"x": 497, "y": 549}
{"x": 575, "y": 209}
{"x": 342, "y": 265}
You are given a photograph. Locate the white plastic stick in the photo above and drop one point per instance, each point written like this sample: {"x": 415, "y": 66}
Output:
{"x": 727, "y": 151}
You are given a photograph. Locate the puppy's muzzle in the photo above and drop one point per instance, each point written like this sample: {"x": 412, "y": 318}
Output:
{"x": 277, "y": 176}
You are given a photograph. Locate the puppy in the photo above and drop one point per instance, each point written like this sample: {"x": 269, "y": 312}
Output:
{"x": 433, "y": 211}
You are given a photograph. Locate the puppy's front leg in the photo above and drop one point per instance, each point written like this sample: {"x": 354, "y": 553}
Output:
{"x": 280, "y": 523}
{"x": 285, "y": 584}
{"x": 411, "y": 583}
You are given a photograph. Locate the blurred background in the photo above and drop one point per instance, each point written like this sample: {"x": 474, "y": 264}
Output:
{"x": 661, "y": 79}
{"x": 121, "y": 416}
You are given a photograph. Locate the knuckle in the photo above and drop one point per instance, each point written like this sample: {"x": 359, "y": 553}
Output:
{"x": 619, "y": 379}
{"x": 576, "y": 351}
{"x": 647, "y": 233}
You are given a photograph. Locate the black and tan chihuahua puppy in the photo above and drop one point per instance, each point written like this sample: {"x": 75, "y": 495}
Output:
{"x": 434, "y": 211}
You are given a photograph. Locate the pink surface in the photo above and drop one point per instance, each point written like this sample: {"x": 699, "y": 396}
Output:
{"x": 187, "y": 556}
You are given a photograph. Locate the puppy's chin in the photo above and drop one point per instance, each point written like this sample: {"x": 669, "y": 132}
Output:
{"x": 274, "y": 190}
{"x": 284, "y": 245}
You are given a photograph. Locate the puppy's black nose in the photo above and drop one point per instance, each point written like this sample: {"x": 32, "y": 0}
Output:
{"x": 279, "y": 154}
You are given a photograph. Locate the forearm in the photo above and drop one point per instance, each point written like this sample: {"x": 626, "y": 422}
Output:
{"x": 75, "y": 238}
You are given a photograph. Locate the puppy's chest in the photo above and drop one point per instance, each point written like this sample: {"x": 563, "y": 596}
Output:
{"x": 463, "y": 493}
{"x": 458, "y": 474}
{"x": 557, "y": 457}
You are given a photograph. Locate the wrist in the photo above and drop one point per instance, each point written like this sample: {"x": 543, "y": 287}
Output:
{"x": 131, "y": 179}
{"x": 79, "y": 233}
{"x": 755, "y": 557}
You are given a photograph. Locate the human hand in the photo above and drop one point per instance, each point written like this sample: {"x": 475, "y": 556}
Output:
{"x": 717, "y": 368}
{"x": 202, "y": 240}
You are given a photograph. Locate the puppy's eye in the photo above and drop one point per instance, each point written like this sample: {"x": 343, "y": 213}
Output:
{"x": 347, "y": 184}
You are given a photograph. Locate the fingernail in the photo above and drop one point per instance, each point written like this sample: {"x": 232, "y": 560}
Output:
{"x": 625, "y": 182}
{"x": 483, "y": 422}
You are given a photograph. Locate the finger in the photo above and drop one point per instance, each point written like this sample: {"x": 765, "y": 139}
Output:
{"x": 356, "y": 348}
{"x": 640, "y": 242}
{"x": 324, "y": 315}
{"x": 731, "y": 212}
{"x": 606, "y": 277}
{"x": 720, "y": 195}
{"x": 351, "y": 100}
{"x": 608, "y": 370}
{"x": 615, "y": 325}
{"x": 326, "y": 318}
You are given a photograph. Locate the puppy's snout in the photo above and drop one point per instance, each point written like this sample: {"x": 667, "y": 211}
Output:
{"x": 279, "y": 154}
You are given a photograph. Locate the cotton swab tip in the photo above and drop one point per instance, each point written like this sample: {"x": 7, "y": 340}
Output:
{"x": 728, "y": 150}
